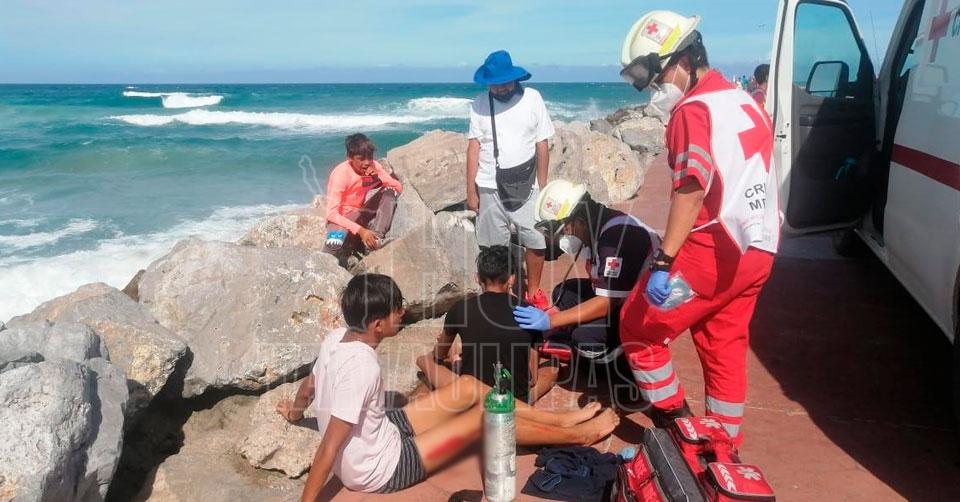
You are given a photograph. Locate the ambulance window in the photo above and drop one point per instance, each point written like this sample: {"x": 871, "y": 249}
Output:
{"x": 825, "y": 34}
{"x": 910, "y": 58}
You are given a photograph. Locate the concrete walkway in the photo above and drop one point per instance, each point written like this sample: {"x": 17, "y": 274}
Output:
{"x": 849, "y": 384}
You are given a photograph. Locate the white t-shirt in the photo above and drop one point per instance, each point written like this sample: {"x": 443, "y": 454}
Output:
{"x": 348, "y": 386}
{"x": 522, "y": 122}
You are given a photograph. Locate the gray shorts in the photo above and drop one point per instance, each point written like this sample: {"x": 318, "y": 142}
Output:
{"x": 410, "y": 469}
{"x": 494, "y": 222}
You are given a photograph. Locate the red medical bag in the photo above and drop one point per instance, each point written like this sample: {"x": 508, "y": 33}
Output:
{"x": 692, "y": 461}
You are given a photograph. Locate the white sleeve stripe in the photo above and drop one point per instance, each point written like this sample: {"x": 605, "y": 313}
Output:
{"x": 612, "y": 293}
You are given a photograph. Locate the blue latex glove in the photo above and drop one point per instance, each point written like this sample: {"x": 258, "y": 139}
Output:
{"x": 658, "y": 287}
{"x": 531, "y": 318}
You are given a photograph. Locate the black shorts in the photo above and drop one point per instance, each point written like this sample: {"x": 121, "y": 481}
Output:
{"x": 410, "y": 469}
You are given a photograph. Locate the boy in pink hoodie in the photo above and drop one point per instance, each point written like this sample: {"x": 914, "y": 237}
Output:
{"x": 361, "y": 198}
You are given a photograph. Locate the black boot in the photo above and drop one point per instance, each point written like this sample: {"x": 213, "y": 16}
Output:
{"x": 665, "y": 418}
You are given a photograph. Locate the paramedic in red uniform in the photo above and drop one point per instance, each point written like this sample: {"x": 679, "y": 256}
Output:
{"x": 722, "y": 230}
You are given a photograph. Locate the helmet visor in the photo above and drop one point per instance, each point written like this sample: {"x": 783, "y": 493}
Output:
{"x": 643, "y": 70}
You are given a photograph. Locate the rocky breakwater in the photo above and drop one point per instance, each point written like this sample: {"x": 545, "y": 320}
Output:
{"x": 181, "y": 370}
{"x": 62, "y": 406}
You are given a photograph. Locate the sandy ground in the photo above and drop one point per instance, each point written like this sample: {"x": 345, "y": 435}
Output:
{"x": 849, "y": 385}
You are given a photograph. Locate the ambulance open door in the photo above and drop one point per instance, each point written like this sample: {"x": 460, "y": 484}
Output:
{"x": 821, "y": 102}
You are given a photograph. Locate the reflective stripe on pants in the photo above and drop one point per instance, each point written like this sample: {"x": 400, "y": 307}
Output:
{"x": 718, "y": 322}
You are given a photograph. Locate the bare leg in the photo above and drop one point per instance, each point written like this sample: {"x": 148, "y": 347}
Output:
{"x": 530, "y": 432}
{"x": 546, "y": 378}
{"x": 429, "y": 410}
{"x": 534, "y": 259}
{"x": 440, "y": 444}
{"x": 453, "y": 435}
{"x": 438, "y": 373}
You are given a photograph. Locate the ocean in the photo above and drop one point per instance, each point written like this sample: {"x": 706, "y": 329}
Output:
{"x": 97, "y": 181}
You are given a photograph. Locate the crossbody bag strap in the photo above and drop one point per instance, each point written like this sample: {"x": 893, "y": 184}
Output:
{"x": 493, "y": 126}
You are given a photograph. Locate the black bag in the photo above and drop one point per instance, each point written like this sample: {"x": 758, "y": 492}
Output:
{"x": 513, "y": 183}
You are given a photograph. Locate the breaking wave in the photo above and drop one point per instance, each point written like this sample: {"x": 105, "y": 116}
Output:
{"x": 177, "y": 99}
{"x": 29, "y": 282}
{"x": 73, "y": 227}
{"x": 279, "y": 120}
{"x": 444, "y": 106}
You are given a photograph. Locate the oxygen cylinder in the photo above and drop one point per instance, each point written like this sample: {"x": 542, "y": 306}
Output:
{"x": 500, "y": 440}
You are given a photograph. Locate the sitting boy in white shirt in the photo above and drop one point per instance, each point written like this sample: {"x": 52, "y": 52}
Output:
{"x": 372, "y": 449}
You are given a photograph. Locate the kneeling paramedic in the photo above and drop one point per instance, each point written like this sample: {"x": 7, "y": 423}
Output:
{"x": 616, "y": 247}
{"x": 723, "y": 226}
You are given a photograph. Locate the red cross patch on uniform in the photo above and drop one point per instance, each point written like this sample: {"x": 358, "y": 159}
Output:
{"x": 612, "y": 266}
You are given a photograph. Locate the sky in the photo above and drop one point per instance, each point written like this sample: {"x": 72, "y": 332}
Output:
{"x": 224, "y": 41}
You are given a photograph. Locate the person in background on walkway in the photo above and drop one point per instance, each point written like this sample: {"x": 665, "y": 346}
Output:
{"x": 361, "y": 199}
{"x": 372, "y": 449}
{"x": 489, "y": 334}
{"x": 759, "y": 92}
{"x": 507, "y": 159}
{"x": 722, "y": 230}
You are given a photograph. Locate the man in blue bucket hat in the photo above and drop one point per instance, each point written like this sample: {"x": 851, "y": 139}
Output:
{"x": 507, "y": 158}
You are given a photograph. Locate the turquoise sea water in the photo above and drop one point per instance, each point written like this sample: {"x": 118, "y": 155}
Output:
{"x": 96, "y": 181}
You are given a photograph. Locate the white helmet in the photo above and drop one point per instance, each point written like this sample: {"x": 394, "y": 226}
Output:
{"x": 558, "y": 199}
{"x": 656, "y": 36}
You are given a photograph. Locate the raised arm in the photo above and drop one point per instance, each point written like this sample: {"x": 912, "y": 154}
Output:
{"x": 386, "y": 178}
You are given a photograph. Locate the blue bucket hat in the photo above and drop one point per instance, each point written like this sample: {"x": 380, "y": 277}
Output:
{"x": 499, "y": 69}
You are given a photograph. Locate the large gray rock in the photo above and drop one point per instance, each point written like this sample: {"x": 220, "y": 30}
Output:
{"x": 273, "y": 443}
{"x": 63, "y": 340}
{"x": 435, "y": 265}
{"x": 305, "y": 228}
{"x": 643, "y": 135}
{"x": 147, "y": 352}
{"x": 608, "y": 167}
{"x": 208, "y": 468}
{"x": 625, "y": 114}
{"x": 601, "y": 126}
{"x": 398, "y": 355}
{"x": 62, "y": 418}
{"x": 435, "y": 166}
{"x": 411, "y": 214}
{"x": 103, "y": 456}
{"x": 252, "y": 316}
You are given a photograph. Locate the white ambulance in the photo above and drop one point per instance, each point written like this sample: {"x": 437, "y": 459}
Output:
{"x": 878, "y": 154}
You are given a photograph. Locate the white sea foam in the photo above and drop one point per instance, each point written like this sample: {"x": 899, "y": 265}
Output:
{"x": 22, "y": 222}
{"x": 141, "y": 94}
{"x": 443, "y": 106}
{"x": 279, "y": 120}
{"x": 27, "y": 283}
{"x": 14, "y": 198}
{"x": 73, "y": 227}
{"x": 177, "y": 99}
{"x": 181, "y": 100}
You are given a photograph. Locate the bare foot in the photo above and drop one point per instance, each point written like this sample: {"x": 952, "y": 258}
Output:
{"x": 582, "y": 415}
{"x": 600, "y": 427}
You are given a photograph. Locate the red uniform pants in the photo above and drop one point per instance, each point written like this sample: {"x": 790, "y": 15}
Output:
{"x": 727, "y": 284}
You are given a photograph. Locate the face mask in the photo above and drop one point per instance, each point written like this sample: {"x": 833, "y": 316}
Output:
{"x": 664, "y": 100}
{"x": 570, "y": 244}
{"x": 503, "y": 98}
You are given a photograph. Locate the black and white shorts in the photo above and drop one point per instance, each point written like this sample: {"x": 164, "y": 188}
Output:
{"x": 410, "y": 469}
